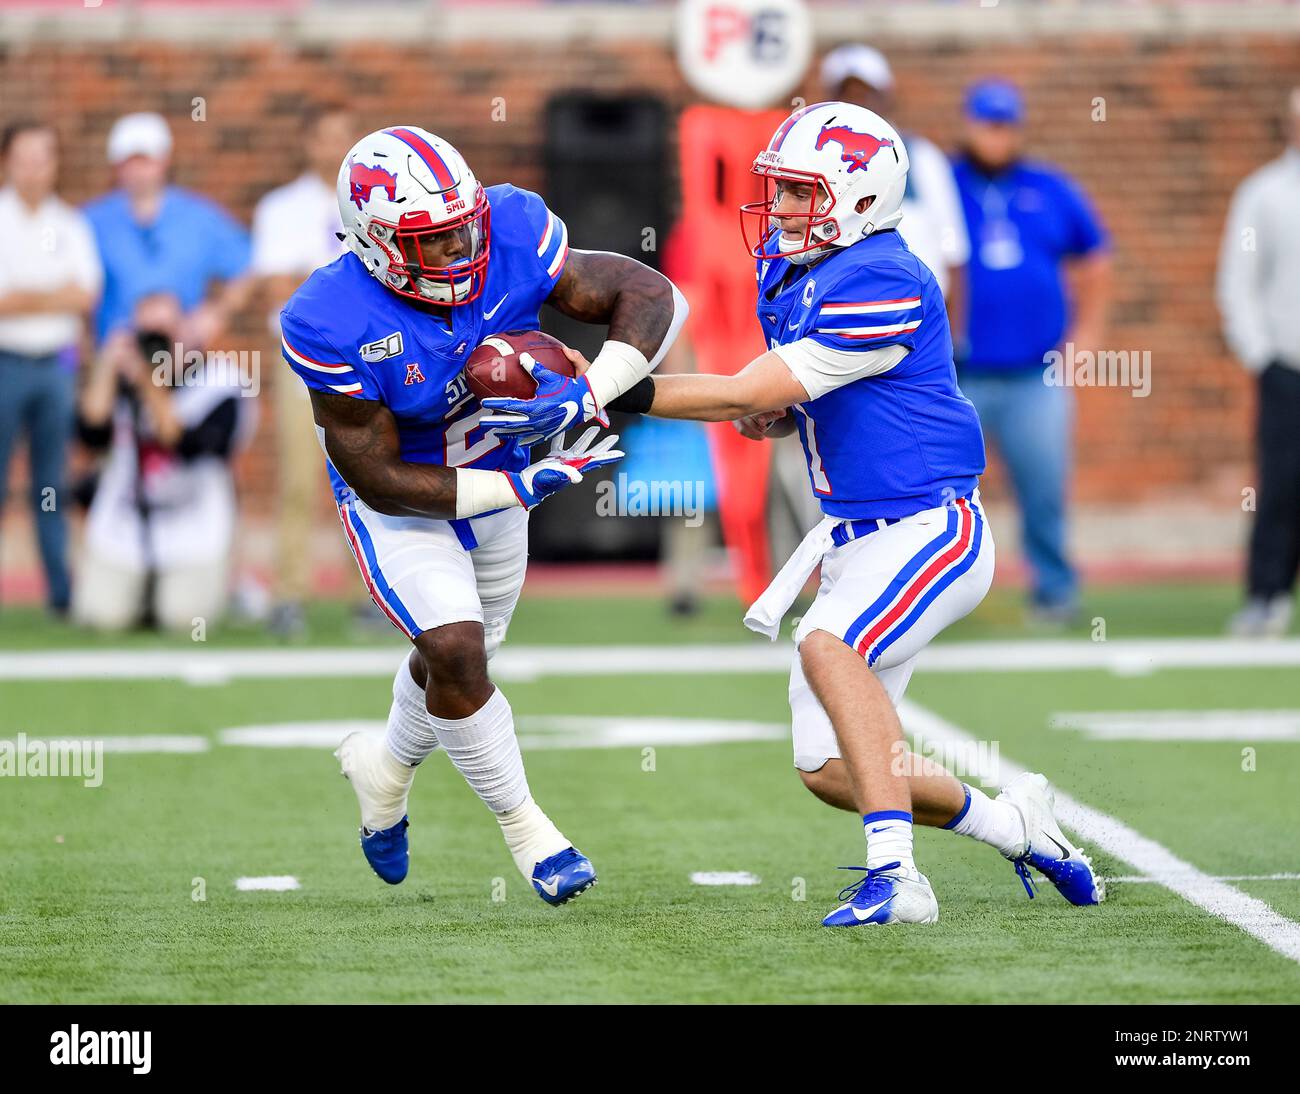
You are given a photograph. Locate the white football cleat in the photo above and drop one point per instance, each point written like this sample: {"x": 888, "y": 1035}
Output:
{"x": 889, "y": 894}
{"x": 382, "y": 782}
{"x": 1046, "y": 848}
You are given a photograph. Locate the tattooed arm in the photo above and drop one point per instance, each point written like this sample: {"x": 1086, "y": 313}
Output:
{"x": 639, "y": 305}
{"x": 361, "y": 439}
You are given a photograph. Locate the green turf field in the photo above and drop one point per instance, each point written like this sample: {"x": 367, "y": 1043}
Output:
{"x": 98, "y": 886}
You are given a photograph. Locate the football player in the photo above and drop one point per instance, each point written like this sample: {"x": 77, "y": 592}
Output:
{"x": 861, "y": 364}
{"x": 433, "y": 501}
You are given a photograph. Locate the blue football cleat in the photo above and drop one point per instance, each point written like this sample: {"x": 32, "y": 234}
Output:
{"x": 887, "y": 894}
{"x": 563, "y": 876}
{"x": 387, "y": 852}
{"x": 1046, "y": 847}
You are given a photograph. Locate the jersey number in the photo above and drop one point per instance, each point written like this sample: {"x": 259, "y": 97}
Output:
{"x": 821, "y": 484}
{"x": 457, "y": 449}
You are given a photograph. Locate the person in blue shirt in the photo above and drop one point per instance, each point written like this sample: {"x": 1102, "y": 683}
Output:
{"x": 861, "y": 364}
{"x": 1030, "y": 225}
{"x": 155, "y": 237}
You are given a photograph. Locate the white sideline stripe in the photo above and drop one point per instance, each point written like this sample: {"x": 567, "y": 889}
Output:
{"x": 1182, "y": 725}
{"x": 724, "y": 877}
{"x": 535, "y": 731}
{"x": 1136, "y": 880}
{"x": 1150, "y": 858}
{"x": 276, "y": 883}
{"x": 1124, "y": 656}
{"x": 138, "y": 744}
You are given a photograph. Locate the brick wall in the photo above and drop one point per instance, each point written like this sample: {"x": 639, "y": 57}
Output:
{"x": 1186, "y": 120}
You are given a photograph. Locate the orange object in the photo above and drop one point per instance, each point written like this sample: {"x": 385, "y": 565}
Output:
{"x": 718, "y": 145}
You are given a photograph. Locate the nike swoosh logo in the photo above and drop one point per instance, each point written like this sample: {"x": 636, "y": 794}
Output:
{"x": 552, "y": 886}
{"x": 570, "y": 412}
{"x": 490, "y": 314}
{"x": 1065, "y": 854}
{"x": 794, "y": 324}
{"x": 862, "y": 916}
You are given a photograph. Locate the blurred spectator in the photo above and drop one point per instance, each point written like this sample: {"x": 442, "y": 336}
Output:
{"x": 158, "y": 238}
{"x": 295, "y": 230}
{"x": 161, "y": 523}
{"x": 49, "y": 280}
{"x": 932, "y": 224}
{"x": 1028, "y": 222}
{"x": 1259, "y": 297}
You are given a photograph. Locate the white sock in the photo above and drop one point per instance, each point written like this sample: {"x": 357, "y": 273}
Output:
{"x": 530, "y": 835}
{"x": 410, "y": 736}
{"x": 388, "y": 786}
{"x": 484, "y": 750}
{"x": 889, "y": 839}
{"x": 996, "y": 823}
{"x": 486, "y": 753}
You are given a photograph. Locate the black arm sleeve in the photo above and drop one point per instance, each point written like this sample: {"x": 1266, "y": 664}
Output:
{"x": 637, "y": 399}
{"x": 214, "y": 436}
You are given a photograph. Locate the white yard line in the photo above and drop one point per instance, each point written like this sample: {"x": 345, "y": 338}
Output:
{"x": 535, "y": 731}
{"x": 278, "y": 883}
{"x": 1151, "y": 859}
{"x": 144, "y": 743}
{"x": 217, "y": 666}
{"x": 1181, "y": 725}
{"x": 1139, "y": 880}
{"x": 318, "y": 733}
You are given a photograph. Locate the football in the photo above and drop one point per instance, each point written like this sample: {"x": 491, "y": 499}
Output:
{"x": 494, "y": 369}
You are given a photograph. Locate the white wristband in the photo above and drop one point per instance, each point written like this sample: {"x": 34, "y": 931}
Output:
{"x": 479, "y": 491}
{"x": 617, "y": 368}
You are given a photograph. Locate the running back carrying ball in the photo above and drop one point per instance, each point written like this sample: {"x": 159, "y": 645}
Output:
{"x": 494, "y": 368}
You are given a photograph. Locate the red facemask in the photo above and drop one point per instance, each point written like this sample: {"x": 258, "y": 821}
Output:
{"x": 465, "y": 277}
{"x": 811, "y": 216}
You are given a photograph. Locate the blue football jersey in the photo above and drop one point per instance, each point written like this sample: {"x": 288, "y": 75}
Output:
{"x": 887, "y": 445}
{"x": 344, "y": 333}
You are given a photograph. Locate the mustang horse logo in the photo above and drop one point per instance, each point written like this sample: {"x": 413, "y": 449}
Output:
{"x": 364, "y": 179}
{"x": 859, "y": 148}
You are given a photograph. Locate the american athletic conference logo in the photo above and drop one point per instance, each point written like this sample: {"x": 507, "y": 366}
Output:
{"x": 413, "y": 373}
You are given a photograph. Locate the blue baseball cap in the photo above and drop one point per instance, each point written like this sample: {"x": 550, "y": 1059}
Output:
{"x": 995, "y": 101}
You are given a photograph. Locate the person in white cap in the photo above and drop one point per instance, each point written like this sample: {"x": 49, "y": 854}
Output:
{"x": 156, "y": 237}
{"x": 932, "y": 222}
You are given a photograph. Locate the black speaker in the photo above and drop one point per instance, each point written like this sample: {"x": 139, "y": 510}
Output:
{"x": 607, "y": 171}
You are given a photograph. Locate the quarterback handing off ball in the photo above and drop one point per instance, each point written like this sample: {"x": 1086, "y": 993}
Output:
{"x": 495, "y": 368}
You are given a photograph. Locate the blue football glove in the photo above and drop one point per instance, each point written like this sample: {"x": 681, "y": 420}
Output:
{"x": 563, "y": 467}
{"x": 561, "y": 401}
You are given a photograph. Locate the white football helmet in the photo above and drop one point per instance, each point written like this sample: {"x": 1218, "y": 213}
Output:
{"x": 846, "y": 153}
{"x": 401, "y": 189}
